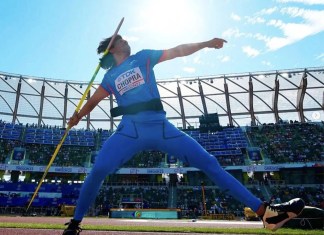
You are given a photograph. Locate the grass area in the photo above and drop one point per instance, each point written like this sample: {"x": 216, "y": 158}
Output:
{"x": 167, "y": 229}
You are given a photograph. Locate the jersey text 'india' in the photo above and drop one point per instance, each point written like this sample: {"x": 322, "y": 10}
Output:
{"x": 129, "y": 80}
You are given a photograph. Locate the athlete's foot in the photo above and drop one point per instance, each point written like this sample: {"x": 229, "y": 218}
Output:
{"x": 73, "y": 228}
{"x": 277, "y": 215}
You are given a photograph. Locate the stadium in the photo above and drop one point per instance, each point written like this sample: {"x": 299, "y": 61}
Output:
{"x": 265, "y": 128}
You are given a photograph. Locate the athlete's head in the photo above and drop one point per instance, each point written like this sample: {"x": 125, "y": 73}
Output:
{"x": 104, "y": 44}
{"x": 119, "y": 45}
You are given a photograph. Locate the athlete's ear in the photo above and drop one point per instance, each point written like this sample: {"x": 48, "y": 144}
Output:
{"x": 112, "y": 50}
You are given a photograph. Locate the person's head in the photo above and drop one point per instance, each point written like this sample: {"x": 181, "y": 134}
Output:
{"x": 119, "y": 45}
{"x": 104, "y": 44}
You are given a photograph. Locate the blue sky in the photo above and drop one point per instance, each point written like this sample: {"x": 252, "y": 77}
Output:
{"x": 58, "y": 38}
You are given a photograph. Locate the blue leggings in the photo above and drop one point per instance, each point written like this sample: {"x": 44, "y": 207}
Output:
{"x": 132, "y": 137}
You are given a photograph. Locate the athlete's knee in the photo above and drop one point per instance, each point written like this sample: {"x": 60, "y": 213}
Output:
{"x": 209, "y": 163}
{"x": 101, "y": 170}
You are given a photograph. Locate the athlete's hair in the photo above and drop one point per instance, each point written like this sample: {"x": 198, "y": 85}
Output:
{"x": 106, "y": 62}
{"x": 104, "y": 44}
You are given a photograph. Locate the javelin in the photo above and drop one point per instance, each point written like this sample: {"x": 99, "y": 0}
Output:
{"x": 76, "y": 111}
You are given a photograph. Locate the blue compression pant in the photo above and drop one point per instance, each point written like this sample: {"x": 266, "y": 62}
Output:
{"x": 132, "y": 137}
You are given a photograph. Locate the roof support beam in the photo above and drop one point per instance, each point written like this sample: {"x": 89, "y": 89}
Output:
{"x": 275, "y": 100}
{"x": 40, "y": 113}
{"x": 228, "y": 104}
{"x": 14, "y": 115}
{"x": 300, "y": 97}
{"x": 183, "y": 117}
{"x": 66, "y": 92}
{"x": 253, "y": 123}
{"x": 202, "y": 96}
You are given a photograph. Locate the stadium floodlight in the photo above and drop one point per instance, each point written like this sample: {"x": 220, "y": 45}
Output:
{"x": 76, "y": 111}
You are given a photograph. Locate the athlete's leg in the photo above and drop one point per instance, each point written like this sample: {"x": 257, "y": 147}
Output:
{"x": 189, "y": 150}
{"x": 118, "y": 149}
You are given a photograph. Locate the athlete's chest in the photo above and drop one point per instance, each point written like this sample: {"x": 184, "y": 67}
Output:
{"x": 129, "y": 75}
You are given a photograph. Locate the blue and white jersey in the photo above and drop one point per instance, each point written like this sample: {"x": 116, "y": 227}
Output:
{"x": 133, "y": 80}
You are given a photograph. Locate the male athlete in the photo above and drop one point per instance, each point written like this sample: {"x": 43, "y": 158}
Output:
{"x": 131, "y": 79}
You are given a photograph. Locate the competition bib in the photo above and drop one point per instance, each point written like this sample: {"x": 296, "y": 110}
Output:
{"x": 129, "y": 80}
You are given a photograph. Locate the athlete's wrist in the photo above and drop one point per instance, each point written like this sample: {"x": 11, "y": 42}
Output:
{"x": 78, "y": 116}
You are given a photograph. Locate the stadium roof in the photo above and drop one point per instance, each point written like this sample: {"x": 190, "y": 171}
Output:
{"x": 239, "y": 99}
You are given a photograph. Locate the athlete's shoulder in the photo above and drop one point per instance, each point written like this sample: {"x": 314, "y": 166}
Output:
{"x": 148, "y": 52}
{"x": 107, "y": 75}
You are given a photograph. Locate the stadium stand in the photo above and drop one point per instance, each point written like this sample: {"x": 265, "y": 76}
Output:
{"x": 294, "y": 142}
{"x": 275, "y": 159}
{"x": 228, "y": 145}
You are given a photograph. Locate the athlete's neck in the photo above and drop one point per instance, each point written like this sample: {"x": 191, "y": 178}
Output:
{"x": 120, "y": 58}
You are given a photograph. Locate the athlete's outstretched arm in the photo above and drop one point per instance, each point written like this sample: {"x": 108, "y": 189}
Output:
{"x": 99, "y": 95}
{"x": 190, "y": 48}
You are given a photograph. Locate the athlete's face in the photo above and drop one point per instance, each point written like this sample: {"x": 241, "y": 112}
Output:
{"x": 121, "y": 45}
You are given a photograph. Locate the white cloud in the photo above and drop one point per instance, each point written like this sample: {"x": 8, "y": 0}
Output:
{"x": 268, "y": 11}
{"x": 189, "y": 69}
{"x": 275, "y": 23}
{"x": 251, "y": 52}
{"x": 302, "y": 23}
{"x": 236, "y": 33}
{"x": 276, "y": 43}
{"x": 235, "y": 17}
{"x": 260, "y": 37}
{"x": 267, "y": 63}
{"x": 313, "y": 23}
{"x": 232, "y": 33}
{"x": 255, "y": 20}
{"x": 320, "y": 57}
{"x": 308, "y": 2}
{"x": 225, "y": 58}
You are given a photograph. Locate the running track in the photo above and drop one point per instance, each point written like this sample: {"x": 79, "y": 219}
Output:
{"x": 120, "y": 222}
